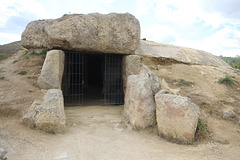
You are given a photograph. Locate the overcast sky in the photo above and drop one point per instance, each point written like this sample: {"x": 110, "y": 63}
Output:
{"x": 210, "y": 25}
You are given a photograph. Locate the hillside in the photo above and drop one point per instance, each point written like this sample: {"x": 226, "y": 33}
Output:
{"x": 10, "y": 48}
{"x": 101, "y": 132}
{"x": 234, "y": 62}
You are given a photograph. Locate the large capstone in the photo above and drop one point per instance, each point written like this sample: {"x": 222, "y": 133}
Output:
{"x": 104, "y": 33}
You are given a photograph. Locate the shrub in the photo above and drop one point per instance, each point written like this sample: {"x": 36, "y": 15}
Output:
{"x": 182, "y": 82}
{"x": 3, "y": 56}
{"x": 25, "y": 51}
{"x": 2, "y": 77}
{"x": 201, "y": 131}
{"x": 226, "y": 80}
{"x": 43, "y": 52}
{"x": 23, "y": 73}
{"x": 144, "y": 39}
{"x": 26, "y": 57}
{"x": 200, "y": 125}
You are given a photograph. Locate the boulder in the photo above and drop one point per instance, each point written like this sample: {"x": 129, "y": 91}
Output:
{"x": 180, "y": 54}
{"x": 139, "y": 107}
{"x": 228, "y": 114}
{"x": 177, "y": 117}
{"x": 104, "y": 33}
{"x": 52, "y": 70}
{"x": 49, "y": 115}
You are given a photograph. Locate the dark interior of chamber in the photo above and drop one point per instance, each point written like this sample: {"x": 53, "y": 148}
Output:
{"x": 92, "y": 79}
{"x": 94, "y": 75}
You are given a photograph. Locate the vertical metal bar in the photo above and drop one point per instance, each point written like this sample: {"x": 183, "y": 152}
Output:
{"x": 113, "y": 79}
{"x": 105, "y": 79}
{"x": 82, "y": 77}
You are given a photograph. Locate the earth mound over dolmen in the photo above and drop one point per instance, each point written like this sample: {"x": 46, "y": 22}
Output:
{"x": 146, "y": 104}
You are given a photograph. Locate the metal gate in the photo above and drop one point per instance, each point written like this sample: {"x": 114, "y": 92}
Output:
{"x": 72, "y": 85}
{"x": 113, "y": 93}
{"x": 73, "y": 79}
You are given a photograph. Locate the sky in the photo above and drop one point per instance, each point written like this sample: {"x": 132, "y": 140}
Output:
{"x": 209, "y": 25}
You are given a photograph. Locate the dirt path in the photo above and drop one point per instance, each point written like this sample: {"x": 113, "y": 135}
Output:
{"x": 101, "y": 133}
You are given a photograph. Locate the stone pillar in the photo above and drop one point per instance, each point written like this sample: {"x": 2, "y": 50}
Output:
{"x": 52, "y": 70}
{"x": 131, "y": 66}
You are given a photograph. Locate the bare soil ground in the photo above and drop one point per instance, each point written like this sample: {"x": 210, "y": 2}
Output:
{"x": 101, "y": 132}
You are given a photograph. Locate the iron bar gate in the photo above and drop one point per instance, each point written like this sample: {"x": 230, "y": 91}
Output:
{"x": 73, "y": 81}
{"x": 113, "y": 93}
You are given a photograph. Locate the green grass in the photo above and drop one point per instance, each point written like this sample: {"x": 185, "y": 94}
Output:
{"x": 2, "y": 77}
{"x": 14, "y": 61}
{"x": 200, "y": 125}
{"x": 43, "y": 53}
{"x": 201, "y": 131}
{"x": 3, "y": 56}
{"x": 182, "y": 82}
{"x": 23, "y": 73}
{"x": 25, "y": 52}
{"x": 226, "y": 80}
{"x": 26, "y": 57}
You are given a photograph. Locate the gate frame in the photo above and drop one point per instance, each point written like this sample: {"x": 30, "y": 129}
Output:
{"x": 113, "y": 89}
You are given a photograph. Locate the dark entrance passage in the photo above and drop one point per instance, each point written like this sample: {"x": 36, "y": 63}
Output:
{"x": 73, "y": 80}
{"x": 92, "y": 79}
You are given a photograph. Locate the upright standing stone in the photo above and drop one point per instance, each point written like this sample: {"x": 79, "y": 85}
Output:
{"x": 131, "y": 66}
{"x": 177, "y": 117}
{"x": 139, "y": 107}
{"x": 52, "y": 70}
{"x": 49, "y": 115}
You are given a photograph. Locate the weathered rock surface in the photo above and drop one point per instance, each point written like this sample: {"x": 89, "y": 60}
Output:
{"x": 177, "y": 117}
{"x": 228, "y": 114}
{"x": 110, "y": 33}
{"x": 52, "y": 70}
{"x": 131, "y": 66}
{"x": 180, "y": 54}
{"x": 139, "y": 107}
{"x": 49, "y": 115}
